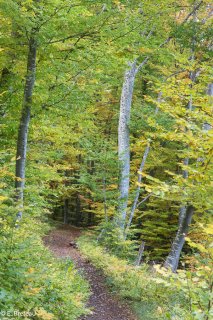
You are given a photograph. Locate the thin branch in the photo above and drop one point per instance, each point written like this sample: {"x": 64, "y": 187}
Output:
{"x": 192, "y": 12}
{"x": 126, "y": 33}
{"x": 72, "y": 36}
{"x": 142, "y": 64}
{"x": 68, "y": 92}
{"x": 147, "y": 197}
{"x": 56, "y": 10}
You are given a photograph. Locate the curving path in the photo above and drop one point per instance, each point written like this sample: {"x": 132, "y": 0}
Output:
{"x": 104, "y": 304}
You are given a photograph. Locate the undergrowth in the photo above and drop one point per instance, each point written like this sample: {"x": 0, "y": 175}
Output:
{"x": 34, "y": 284}
{"x": 154, "y": 292}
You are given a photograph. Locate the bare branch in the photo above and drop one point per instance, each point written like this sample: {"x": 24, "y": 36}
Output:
{"x": 192, "y": 12}
{"x": 147, "y": 197}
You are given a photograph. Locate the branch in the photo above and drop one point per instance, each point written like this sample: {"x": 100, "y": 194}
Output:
{"x": 142, "y": 64}
{"x": 147, "y": 197}
{"x": 81, "y": 35}
{"x": 57, "y": 9}
{"x": 47, "y": 105}
{"x": 192, "y": 12}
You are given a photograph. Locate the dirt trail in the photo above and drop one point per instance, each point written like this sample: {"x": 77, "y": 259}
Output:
{"x": 104, "y": 304}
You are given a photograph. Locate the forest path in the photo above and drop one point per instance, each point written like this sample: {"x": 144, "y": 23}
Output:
{"x": 104, "y": 304}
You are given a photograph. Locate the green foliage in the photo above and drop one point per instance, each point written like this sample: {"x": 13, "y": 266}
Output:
{"x": 159, "y": 225}
{"x": 39, "y": 283}
{"x": 155, "y": 291}
{"x": 83, "y": 50}
{"x": 111, "y": 237}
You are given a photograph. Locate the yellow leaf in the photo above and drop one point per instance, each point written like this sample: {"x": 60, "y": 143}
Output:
{"x": 31, "y": 270}
{"x": 144, "y": 50}
{"x": 148, "y": 189}
{"x": 159, "y": 310}
{"x": 2, "y": 198}
{"x": 43, "y": 314}
{"x": 209, "y": 229}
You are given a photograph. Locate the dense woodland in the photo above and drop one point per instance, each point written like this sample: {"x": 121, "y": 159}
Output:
{"x": 106, "y": 118}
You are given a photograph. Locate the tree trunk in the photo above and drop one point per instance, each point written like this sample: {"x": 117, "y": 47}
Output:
{"x": 105, "y": 199}
{"x": 146, "y": 153}
{"x": 140, "y": 254}
{"x": 134, "y": 206}
{"x": 24, "y": 125}
{"x": 123, "y": 141}
{"x": 78, "y": 211}
{"x": 66, "y": 210}
{"x": 186, "y": 212}
{"x": 177, "y": 246}
{"x": 207, "y": 126}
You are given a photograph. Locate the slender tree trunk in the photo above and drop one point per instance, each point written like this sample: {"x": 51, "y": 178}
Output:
{"x": 207, "y": 126}
{"x": 140, "y": 254}
{"x": 66, "y": 201}
{"x": 177, "y": 246}
{"x": 105, "y": 199}
{"x": 134, "y": 206}
{"x": 185, "y": 214}
{"x": 123, "y": 141}
{"x": 143, "y": 162}
{"x": 89, "y": 217}
{"x": 78, "y": 211}
{"x": 66, "y": 210}
{"x": 24, "y": 125}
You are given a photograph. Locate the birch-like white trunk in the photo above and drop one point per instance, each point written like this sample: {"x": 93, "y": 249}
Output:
{"x": 123, "y": 141}
{"x": 24, "y": 125}
{"x": 123, "y": 128}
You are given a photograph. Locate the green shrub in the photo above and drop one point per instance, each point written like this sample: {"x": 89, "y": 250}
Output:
{"x": 155, "y": 292}
{"x": 111, "y": 237}
{"x": 33, "y": 281}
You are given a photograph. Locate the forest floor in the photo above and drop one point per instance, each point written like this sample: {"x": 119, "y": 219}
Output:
{"x": 104, "y": 304}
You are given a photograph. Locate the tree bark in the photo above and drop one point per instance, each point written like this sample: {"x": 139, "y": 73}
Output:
{"x": 185, "y": 211}
{"x": 123, "y": 141}
{"x": 24, "y": 125}
{"x": 140, "y": 254}
{"x": 185, "y": 214}
{"x": 143, "y": 162}
{"x": 207, "y": 126}
{"x": 78, "y": 211}
{"x": 105, "y": 199}
{"x": 123, "y": 129}
{"x": 177, "y": 246}
{"x": 134, "y": 206}
{"x": 66, "y": 210}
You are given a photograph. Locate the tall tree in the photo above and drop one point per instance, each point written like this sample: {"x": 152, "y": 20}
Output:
{"x": 123, "y": 140}
{"x": 24, "y": 122}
